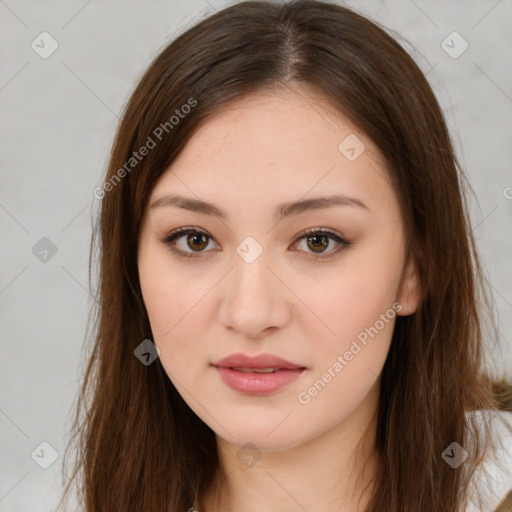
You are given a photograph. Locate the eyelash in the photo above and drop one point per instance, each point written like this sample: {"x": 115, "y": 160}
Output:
{"x": 170, "y": 238}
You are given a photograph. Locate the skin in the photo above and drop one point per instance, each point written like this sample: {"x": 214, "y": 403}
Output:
{"x": 263, "y": 150}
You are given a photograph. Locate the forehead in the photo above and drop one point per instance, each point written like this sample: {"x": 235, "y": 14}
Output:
{"x": 256, "y": 122}
{"x": 275, "y": 146}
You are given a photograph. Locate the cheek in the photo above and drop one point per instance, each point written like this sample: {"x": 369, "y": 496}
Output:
{"x": 346, "y": 364}
{"x": 350, "y": 300}
{"x": 165, "y": 294}
{"x": 357, "y": 316}
{"x": 178, "y": 312}
{"x": 174, "y": 324}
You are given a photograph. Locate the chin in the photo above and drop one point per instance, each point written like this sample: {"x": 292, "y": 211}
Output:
{"x": 264, "y": 436}
{"x": 262, "y": 443}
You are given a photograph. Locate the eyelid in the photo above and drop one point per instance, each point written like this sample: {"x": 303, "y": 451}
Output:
{"x": 169, "y": 239}
{"x": 338, "y": 238}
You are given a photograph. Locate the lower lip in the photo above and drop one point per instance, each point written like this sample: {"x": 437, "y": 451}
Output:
{"x": 257, "y": 383}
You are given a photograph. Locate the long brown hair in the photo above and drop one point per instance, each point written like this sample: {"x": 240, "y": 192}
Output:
{"x": 138, "y": 445}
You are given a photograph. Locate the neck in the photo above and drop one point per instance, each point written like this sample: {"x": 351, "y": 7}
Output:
{"x": 331, "y": 472}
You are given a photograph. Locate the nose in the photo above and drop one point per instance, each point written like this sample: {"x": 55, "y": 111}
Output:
{"x": 255, "y": 300}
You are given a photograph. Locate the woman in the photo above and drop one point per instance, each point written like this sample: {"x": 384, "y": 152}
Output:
{"x": 290, "y": 296}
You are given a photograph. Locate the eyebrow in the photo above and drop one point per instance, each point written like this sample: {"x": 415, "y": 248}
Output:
{"x": 281, "y": 211}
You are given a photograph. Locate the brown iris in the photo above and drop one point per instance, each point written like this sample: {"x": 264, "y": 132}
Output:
{"x": 319, "y": 242}
{"x": 197, "y": 238}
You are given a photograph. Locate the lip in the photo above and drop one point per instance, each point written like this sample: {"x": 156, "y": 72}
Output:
{"x": 257, "y": 383}
{"x": 260, "y": 361}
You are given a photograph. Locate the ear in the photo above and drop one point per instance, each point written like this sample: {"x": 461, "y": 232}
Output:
{"x": 409, "y": 294}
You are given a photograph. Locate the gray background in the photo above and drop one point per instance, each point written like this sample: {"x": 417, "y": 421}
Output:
{"x": 58, "y": 117}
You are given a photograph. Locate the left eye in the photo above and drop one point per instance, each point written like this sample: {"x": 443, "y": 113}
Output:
{"x": 316, "y": 239}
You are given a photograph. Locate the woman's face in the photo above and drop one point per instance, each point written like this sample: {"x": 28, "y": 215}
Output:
{"x": 251, "y": 280}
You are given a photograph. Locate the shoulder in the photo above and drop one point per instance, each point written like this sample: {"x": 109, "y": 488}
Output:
{"x": 492, "y": 485}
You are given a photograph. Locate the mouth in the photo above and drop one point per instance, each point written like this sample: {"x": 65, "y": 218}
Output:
{"x": 258, "y": 381}
{"x": 257, "y": 375}
{"x": 257, "y": 370}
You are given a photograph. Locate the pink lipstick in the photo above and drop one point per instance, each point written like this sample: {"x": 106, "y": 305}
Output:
{"x": 257, "y": 375}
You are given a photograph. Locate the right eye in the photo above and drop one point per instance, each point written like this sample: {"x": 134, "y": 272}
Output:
{"x": 193, "y": 239}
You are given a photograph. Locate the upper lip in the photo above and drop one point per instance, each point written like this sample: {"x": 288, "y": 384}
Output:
{"x": 259, "y": 361}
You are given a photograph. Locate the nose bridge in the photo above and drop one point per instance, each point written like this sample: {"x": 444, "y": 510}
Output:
{"x": 255, "y": 299}
{"x": 251, "y": 277}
